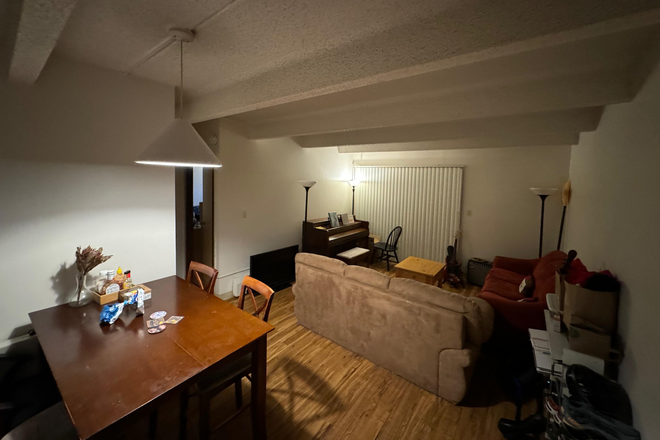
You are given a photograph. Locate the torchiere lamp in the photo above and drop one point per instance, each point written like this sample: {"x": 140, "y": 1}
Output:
{"x": 543, "y": 193}
{"x": 353, "y": 184}
{"x": 307, "y": 184}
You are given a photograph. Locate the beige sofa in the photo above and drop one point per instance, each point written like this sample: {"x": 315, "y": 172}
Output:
{"x": 424, "y": 334}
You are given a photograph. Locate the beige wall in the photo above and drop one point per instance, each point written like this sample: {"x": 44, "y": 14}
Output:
{"x": 500, "y": 215}
{"x": 260, "y": 179}
{"x": 613, "y": 224}
{"x": 67, "y": 179}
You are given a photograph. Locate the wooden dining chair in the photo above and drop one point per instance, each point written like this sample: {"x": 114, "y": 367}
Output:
{"x": 193, "y": 277}
{"x": 212, "y": 384}
{"x": 195, "y": 269}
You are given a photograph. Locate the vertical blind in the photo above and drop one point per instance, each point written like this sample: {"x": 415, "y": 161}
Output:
{"x": 424, "y": 201}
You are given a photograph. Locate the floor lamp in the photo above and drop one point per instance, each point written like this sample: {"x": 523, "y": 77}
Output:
{"x": 353, "y": 184}
{"x": 307, "y": 184}
{"x": 543, "y": 193}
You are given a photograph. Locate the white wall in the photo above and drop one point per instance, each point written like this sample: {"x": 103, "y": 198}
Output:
{"x": 613, "y": 224}
{"x": 500, "y": 215}
{"x": 260, "y": 178}
{"x": 67, "y": 179}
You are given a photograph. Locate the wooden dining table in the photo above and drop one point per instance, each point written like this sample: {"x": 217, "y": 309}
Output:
{"x": 111, "y": 375}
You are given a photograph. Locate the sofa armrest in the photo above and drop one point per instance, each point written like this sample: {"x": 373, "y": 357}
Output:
{"x": 455, "y": 369}
{"x": 517, "y": 265}
{"x": 520, "y": 315}
{"x": 486, "y": 321}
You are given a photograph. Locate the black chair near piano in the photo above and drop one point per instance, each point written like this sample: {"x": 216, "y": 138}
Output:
{"x": 389, "y": 248}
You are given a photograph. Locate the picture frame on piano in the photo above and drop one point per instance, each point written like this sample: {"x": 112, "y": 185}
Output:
{"x": 345, "y": 219}
{"x": 334, "y": 219}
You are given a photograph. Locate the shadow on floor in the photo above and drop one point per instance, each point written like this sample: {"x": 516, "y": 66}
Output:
{"x": 293, "y": 388}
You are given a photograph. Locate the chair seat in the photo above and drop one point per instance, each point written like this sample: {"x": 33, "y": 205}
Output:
{"x": 225, "y": 374}
{"x": 385, "y": 247}
{"x": 52, "y": 423}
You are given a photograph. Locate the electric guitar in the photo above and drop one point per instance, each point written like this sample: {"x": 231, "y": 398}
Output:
{"x": 452, "y": 266}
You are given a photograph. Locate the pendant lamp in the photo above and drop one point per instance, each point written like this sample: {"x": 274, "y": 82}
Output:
{"x": 179, "y": 145}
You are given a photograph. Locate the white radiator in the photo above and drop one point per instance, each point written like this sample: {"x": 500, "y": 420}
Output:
{"x": 424, "y": 201}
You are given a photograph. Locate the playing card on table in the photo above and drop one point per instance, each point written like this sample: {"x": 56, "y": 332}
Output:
{"x": 154, "y": 323}
{"x": 173, "y": 319}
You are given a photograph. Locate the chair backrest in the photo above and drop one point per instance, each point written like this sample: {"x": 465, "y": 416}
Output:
{"x": 251, "y": 285}
{"x": 393, "y": 238}
{"x": 197, "y": 268}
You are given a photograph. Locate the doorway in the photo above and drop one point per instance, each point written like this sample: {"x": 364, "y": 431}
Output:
{"x": 194, "y": 218}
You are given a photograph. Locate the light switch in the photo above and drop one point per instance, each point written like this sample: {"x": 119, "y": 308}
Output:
{"x": 244, "y": 214}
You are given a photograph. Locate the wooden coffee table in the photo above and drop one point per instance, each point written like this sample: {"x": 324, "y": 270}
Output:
{"x": 419, "y": 269}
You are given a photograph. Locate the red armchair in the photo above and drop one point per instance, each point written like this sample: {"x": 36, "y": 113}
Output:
{"x": 501, "y": 290}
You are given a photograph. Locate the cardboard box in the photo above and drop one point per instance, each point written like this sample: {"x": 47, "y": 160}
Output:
{"x": 112, "y": 297}
{"x": 560, "y": 289}
{"x": 597, "y": 308}
{"x": 589, "y": 342}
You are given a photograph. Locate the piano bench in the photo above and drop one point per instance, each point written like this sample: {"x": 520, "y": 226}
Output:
{"x": 354, "y": 256}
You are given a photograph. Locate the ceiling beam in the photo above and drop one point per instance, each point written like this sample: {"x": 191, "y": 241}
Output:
{"x": 530, "y": 140}
{"x": 40, "y": 25}
{"x": 573, "y": 121}
{"x": 585, "y": 90}
{"x": 505, "y": 28}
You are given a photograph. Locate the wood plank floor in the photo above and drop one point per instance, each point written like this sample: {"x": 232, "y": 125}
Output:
{"x": 319, "y": 390}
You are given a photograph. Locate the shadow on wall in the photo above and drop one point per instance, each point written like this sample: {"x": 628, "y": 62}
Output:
{"x": 64, "y": 282}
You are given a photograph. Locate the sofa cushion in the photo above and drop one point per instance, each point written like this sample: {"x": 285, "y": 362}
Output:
{"x": 367, "y": 276}
{"x": 425, "y": 293}
{"x": 506, "y": 275}
{"x": 544, "y": 274}
{"x": 331, "y": 265}
{"x": 502, "y": 288}
{"x": 526, "y": 287}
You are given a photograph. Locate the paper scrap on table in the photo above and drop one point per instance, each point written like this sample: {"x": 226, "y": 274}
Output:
{"x": 174, "y": 319}
{"x": 154, "y": 323}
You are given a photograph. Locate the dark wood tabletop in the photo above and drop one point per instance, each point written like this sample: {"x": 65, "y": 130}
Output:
{"x": 106, "y": 373}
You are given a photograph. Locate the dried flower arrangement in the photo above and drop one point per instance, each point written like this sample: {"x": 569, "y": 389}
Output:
{"x": 86, "y": 260}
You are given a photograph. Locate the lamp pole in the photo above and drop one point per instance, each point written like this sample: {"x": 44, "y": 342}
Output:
{"x": 353, "y": 203}
{"x": 307, "y": 184}
{"x": 353, "y": 184}
{"x": 543, "y": 197}
{"x": 543, "y": 193}
{"x": 306, "y": 200}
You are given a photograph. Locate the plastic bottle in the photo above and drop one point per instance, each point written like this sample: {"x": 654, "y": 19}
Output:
{"x": 128, "y": 282}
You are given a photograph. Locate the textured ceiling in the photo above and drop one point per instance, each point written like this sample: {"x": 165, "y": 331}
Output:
{"x": 363, "y": 72}
{"x": 248, "y": 39}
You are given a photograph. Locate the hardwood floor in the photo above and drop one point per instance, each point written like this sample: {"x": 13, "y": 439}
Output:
{"x": 319, "y": 390}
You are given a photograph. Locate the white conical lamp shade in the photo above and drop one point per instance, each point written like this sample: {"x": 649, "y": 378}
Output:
{"x": 179, "y": 146}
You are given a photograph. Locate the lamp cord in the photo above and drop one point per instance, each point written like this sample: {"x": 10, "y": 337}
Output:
{"x": 181, "y": 80}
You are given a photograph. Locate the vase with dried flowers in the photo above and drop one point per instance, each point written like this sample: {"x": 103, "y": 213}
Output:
{"x": 86, "y": 260}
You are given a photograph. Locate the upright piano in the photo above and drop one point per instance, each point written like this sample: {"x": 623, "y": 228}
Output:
{"x": 320, "y": 238}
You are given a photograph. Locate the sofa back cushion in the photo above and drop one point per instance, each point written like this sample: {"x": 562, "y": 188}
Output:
{"x": 331, "y": 265}
{"x": 367, "y": 276}
{"x": 544, "y": 274}
{"x": 421, "y": 293}
{"x": 425, "y": 293}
